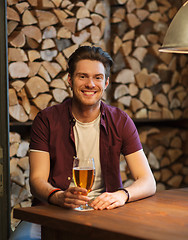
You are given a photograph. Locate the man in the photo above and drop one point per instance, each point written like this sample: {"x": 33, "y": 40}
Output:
{"x": 86, "y": 127}
{"x": 61, "y": 132}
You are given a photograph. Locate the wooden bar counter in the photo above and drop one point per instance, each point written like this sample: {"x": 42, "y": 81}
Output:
{"x": 162, "y": 216}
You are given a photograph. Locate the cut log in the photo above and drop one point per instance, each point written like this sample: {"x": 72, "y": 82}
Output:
{"x": 33, "y": 112}
{"x": 139, "y": 53}
{"x": 95, "y": 34}
{"x": 129, "y": 35}
{"x": 62, "y": 61}
{"x": 133, "y": 20}
{"x": 141, "y": 41}
{"x": 166, "y": 113}
{"x": 133, "y": 64}
{"x": 13, "y": 100}
{"x": 142, "y": 114}
{"x": 130, "y": 6}
{"x": 142, "y": 14}
{"x": 16, "y": 174}
{"x": 125, "y": 100}
{"x": 48, "y": 55}
{"x": 146, "y": 96}
{"x": 28, "y": 18}
{"x": 44, "y": 74}
{"x": 36, "y": 85}
{"x": 48, "y": 43}
{"x": 12, "y": 14}
{"x": 17, "y": 85}
{"x": 25, "y": 100}
{"x": 133, "y": 89}
{"x": 33, "y": 55}
{"x": 81, "y": 37}
{"x": 154, "y": 163}
{"x": 136, "y": 104}
{"x": 162, "y": 100}
{"x": 96, "y": 19}
{"x": 45, "y": 18}
{"x": 13, "y": 148}
{"x": 154, "y": 115}
{"x": 33, "y": 32}
{"x": 125, "y": 76}
{"x": 127, "y": 48}
{"x": 70, "y": 24}
{"x": 83, "y": 23}
{"x": 63, "y": 32}
{"x": 16, "y": 55}
{"x": 120, "y": 91}
{"x": 100, "y": 9}
{"x": 52, "y": 68}
{"x": 49, "y": 32}
{"x": 33, "y": 44}
{"x": 175, "y": 181}
{"x": 61, "y": 15}
{"x": 17, "y": 39}
{"x": 23, "y": 149}
{"x": 14, "y": 137}
{"x": 68, "y": 51}
{"x": 17, "y": 112}
{"x": 22, "y": 7}
{"x": 18, "y": 70}
{"x": 142, "y": 77}
{"x": 11, "y": 26}
{"x": 58, "y": 83}
{"x": 33, "y": 68}
{"x": 82, "y": 13}
{"x": 42, "y": 100}
{"x": 59, "y": 94}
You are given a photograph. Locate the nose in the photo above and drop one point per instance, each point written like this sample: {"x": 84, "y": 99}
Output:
{"x": 90, "y": 82}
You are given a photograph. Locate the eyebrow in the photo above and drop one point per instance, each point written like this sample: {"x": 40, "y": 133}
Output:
{"x": 86, "y": 74}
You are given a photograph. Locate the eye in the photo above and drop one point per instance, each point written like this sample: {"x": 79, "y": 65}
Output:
{"x": 99, "y": 78}
{"x": 82, "y": 76}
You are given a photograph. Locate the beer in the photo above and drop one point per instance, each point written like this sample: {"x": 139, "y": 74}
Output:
{"x": 84, "y": 177}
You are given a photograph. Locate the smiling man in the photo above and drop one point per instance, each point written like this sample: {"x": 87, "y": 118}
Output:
{"x": 85, "y": 127}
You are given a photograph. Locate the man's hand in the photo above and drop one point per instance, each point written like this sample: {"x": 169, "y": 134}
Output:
{"x": 109, "y": 200}
{"x": 71, "y": 198}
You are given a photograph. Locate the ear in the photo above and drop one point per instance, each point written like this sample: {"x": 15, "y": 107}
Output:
{"x": 106, "y": 83}
{"x": 69, "y": 80}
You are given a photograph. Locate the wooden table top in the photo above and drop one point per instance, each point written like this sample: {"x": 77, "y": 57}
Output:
{"x": 162, "y": 216}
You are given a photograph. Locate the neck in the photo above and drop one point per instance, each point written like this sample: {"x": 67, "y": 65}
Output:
{"x": 85, "y": 113}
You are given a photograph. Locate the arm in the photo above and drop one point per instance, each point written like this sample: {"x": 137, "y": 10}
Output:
{"x": 143, "y": 186}
{"x": 40, "y": 187}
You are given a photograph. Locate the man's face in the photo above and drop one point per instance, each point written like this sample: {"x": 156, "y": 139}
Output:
{"x": 88, "y": 83}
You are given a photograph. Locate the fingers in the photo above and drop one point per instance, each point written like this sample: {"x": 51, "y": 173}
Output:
{"x": 107, "y": 201}
{"x": 74, "y": 197}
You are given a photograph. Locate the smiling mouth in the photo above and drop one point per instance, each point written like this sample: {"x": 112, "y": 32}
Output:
{"x": 89, "y": 93}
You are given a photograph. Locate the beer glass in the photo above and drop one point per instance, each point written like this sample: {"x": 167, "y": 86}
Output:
{"x": 83, "y": 176}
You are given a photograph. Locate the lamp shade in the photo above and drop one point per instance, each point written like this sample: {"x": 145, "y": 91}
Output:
{"x": 176, "y": 38}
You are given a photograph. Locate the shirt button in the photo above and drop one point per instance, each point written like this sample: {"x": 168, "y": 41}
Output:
{"x": 69, "y": 178}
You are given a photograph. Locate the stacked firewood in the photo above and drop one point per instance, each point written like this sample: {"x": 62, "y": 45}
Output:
{"x": 19, "y": 173}
{"x": 41, "y": 36}
{"x": 167, "y": 151}
{"x": 146, "y": 83}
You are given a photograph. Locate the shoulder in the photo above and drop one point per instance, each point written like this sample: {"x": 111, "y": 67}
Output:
{"x": 114, "y": 112}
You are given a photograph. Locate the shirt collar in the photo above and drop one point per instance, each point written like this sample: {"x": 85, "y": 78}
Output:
{"x": 103, "y": 114}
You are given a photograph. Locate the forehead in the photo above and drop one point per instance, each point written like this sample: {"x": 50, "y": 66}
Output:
{"x": 90, "y": 66}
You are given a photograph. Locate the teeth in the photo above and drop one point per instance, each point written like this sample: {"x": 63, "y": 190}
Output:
{"x": 89, "y": 93}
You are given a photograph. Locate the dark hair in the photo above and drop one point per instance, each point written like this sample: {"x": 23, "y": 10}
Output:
{"x": 90, "y": 53}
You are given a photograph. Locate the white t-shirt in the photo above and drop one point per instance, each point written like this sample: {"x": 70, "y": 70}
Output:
{"x": 87, "y": 145}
